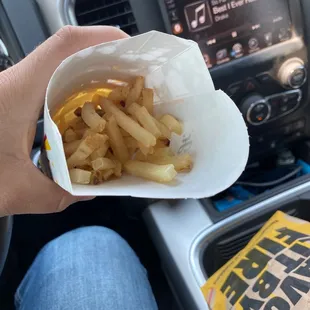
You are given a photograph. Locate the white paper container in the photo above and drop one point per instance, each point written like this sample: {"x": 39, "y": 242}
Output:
{"x": 214, "y": 130}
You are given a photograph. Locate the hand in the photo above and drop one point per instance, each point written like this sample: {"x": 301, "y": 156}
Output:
{"x": 23, "y": 188}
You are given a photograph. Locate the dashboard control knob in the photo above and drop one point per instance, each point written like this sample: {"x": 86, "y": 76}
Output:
{"x": 256, "y": 110}
{"x": 293, "y": 73}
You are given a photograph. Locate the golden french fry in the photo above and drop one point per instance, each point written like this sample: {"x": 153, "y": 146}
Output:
{"x": 101, "y": 152}
{"x": 107, "y": 116}
{"x": 117, "y": 141}
{"x": 147, "y": 99}
{"x": 71, "y": 147}
{"x": 103, "y": 164}
{"x": 172, "y": 124}
{"x": 131, "y": 142}
{"x": 84, "y": 164}
{"x": 181, "y": 163}
{"x": 133, "y": 109}
{"x": 147, "y": 121}
{"x": 96, "y": 178}
{"x": 140, "y": 156}
{"x": 161, "y": 152}
{"x": 124, "y": 133}
{"x": 116, "y": 127}
{"x": 119, "y": 94}
{"x": 92, "y": 119}
{"x": 145, "y": 150}
{"x": 107, "y": 174}
{"x": 144, "y": 118}
{"x": 70, "y": 135}
{"x": 95, "y": 100}
{"x": 129, "y": 125}
{"x": 135, "y": 91}
{"x": 118, "y": 169}
{"x": 80, "y": 176}
{"x": 80, "y": 132}
{"x": 88, "y": 132}
{"x": 165, "y": 132}
{"x": 77, "y": 123}
{"x": 156, "y": 173}
{"x": 86, "y": 147}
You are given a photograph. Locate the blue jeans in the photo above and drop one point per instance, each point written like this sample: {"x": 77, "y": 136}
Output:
{"x": 87, "y": 268}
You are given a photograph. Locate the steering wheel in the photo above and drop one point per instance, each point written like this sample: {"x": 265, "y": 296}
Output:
{"x": 6, "y": 224}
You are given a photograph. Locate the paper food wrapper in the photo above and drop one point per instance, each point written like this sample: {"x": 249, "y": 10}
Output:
{"x": 271, "y": 272}
{"x": 215, "y": 133}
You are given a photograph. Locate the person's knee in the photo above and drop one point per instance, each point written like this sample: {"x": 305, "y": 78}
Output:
{"x": 86, "y": 237}
{"x": 85, "y": 259}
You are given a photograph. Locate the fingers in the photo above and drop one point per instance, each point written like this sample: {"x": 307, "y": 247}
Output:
{"x": 67, "y": 41}
{"x": 37, "y": 68}
{"x": 38, "y": 194}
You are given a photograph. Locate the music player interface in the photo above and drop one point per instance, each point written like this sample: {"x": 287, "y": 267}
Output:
{"x": 198, "y": 16}
{"x": 229, "y": 29}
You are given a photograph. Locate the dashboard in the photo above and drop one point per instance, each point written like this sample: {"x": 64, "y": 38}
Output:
{"x": 228, "y": 30}
{"x": 256, "y": 50}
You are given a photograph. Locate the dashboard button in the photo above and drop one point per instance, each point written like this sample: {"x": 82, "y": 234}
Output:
{"x": 299, "y": 124}
{"x": 234, "y": 89}
{"x": 275, "y": 103}
{"x": 293, "y": 73}
{"x": 250, "y": 85}
{"x": 293, "y": 96}
{"x": 259, "y": 108}
{"x": 260, "y": 113}
{"x": 298, "y": 77}
{"x": 292, "y": 104}
{"x": 265, "y": 78}
{"x": 288, "y": 129}
{"x": 253, "y": 44}
{"x": 284, "y": 105}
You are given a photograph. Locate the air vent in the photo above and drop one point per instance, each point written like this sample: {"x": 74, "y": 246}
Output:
{"x": 106, "y": 12}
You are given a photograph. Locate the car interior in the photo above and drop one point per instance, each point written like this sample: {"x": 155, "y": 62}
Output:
{"x": 257, "y": 52}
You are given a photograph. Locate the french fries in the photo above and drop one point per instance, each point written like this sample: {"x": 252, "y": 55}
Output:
{"x": 157, "y": 173}
{"x": 103, "y": 164}
{"x": 70, "y": 135}
{"x": 88, "y": 145}
{"x": 145, "y": 119}
{"x": 80, "y": 176}
{"x": 146, "y": 99}
{"x": 71, "y": 147}
{"x": 92, "y": 119}
{"x": 181, "y": 163}
{"x": 100, "y": 152}
{"x": 129, "y": 125}
{"x": 117, "y": 141}
{"x": 135, "y": 91}
{"x": 119, "y": 133}
{"x": 119, "y": 94}
{"x": 172, "y": 124}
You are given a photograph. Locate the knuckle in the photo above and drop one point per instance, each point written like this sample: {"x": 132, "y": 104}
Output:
{"x": 66, "y": 33}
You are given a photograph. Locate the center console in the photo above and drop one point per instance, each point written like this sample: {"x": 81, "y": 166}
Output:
{"x": 256, "y": 52}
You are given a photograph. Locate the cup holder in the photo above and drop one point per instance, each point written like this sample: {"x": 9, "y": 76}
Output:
{"x": 226, "y": 244}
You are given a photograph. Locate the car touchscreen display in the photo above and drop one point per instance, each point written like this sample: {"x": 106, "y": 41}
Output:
{"x": 230, "y": 29}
